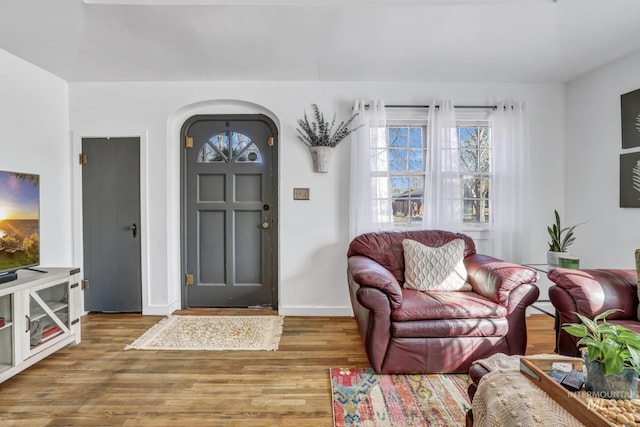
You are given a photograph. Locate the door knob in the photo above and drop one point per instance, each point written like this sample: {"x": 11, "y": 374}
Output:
{"x": 265, "y": 225}
{"x": 134, "y": 229}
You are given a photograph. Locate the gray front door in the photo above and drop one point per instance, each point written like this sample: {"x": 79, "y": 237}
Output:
{"x": 111, "y": 224}
{"x": 229, "y": 211}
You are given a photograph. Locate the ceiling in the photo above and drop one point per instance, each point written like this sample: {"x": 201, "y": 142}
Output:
{"x": 350, "y": 40}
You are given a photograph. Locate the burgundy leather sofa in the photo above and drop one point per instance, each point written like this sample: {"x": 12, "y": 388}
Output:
{"x": 591, "y": 292}
{"x": 409, "y": 331}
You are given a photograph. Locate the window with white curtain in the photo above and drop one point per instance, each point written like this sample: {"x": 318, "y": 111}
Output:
{"x": 408, "y": 166}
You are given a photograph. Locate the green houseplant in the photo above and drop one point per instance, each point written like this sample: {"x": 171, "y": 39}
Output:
{"x": 559, "y": 239}
{"x": 321, "y": 137}
{"x": 612, "y": 355}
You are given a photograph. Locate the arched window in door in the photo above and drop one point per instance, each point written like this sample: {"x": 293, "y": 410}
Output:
{"x": 229, "y": 147}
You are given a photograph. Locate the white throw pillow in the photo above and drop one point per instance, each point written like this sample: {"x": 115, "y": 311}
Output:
{"x": 435, "y": 269}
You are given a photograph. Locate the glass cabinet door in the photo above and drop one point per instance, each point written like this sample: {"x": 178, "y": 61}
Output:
{"x": 48, "y": 316}
{"x": 6, "y": 333}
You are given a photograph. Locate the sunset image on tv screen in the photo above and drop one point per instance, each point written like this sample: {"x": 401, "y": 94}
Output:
{"x": 19, "y": 220}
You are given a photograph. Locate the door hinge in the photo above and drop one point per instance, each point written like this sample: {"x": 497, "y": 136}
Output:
{"x": 188, "y": 142}
{"x": 84, "y": 284}
{"x": 82, "y": 159}
{"x": 188, "y": 279}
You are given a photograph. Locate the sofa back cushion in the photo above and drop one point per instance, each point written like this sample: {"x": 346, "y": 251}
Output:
{"x": 386, "y": 247}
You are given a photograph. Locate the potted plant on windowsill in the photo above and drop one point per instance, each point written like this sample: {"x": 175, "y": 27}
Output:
{"x": 321, "y": 138}
{"x": 560, "y": 240}
{"x": 612, "y": 356}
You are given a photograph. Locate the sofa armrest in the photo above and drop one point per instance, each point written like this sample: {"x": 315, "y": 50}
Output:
{"x": 595, "y": 291}
{"x": 494, "y": 278}
{"x": 366, "y": 272}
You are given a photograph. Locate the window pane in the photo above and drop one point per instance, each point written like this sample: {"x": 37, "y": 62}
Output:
{"x": 400, "y": 210}
{"x": 471, "y": 187}
{"x": 398, "y": 160}
{"x": 208, "y": 154}
{"x": 415, "y": 137}
{"x": 485, "y": 211}
{"x": 398, "y": 136}
{"x": 485, "y": 163}
{"x": 484, "y": 186}
{"x": 468, "y": 161}
{"x": 485, "y": 138}
{"x": 399, "y": 186}
{"x": 468, "y": 137}
{"x": 471, "y": 211}
{"x": 416, "y": 160}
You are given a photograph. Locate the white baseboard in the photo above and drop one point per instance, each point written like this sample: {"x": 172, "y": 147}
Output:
{"x": 314, "y": 310}
{"x": 161, "y": 310}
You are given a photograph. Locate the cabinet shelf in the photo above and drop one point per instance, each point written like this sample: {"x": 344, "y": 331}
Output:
{"x": 38, "y": 313}
{"x": 7, "y": 325}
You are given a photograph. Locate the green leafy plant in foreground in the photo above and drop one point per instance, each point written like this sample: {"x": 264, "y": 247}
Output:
{"x": 614, "y": 346}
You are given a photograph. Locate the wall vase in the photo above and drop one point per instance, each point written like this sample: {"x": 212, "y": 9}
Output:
{"x": 321, "y": 156}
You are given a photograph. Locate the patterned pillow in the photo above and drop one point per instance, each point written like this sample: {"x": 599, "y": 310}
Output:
{"x": 435, "y": 269}
{"x": 638, "y": 273}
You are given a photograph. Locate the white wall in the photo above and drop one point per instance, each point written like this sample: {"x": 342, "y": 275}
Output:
{"x": 34, "y": 138}
{"x": 592, "y": 168}
{"x": 313, "y": 234}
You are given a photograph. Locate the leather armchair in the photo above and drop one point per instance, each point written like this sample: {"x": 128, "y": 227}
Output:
{"x": 409, "y": 331}
{"x": 591, "y": 292}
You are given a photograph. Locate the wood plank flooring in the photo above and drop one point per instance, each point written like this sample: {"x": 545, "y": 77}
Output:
{"x": 97, "y": 383}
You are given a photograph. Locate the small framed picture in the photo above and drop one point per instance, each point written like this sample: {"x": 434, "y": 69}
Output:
{"x": 630, "y": 115}
{"x": 630, "y": 180}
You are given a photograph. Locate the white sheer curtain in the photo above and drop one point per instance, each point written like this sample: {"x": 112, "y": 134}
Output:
{"x": 510, "y": 180}
{"x": 370, "y": 201}
{"x": 443, "y": 191}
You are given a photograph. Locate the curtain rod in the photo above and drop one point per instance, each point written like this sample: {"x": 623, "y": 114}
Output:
{"x": 482, "y": 107}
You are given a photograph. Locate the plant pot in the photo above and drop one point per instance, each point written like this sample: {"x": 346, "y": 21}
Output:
{"x": 321, "y": 156}
{"x": 569, "y": 262}
{"x": 620, "y": 386}
{"x": 553, "y": 258}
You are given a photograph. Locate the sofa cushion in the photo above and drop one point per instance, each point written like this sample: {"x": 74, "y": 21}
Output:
{"x": 417, "y": 305}
{"x": 638, "y": 274}
{"x": 435, "y": 268}
{"x": 437, "y": 328}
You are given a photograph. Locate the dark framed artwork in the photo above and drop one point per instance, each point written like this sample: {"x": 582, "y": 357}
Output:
{"x": 630, "y": 180}
{"x": 630, "y": 114}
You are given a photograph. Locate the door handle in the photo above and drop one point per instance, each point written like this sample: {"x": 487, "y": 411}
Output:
{"x": 265, "y": 224}
{"x": 134, "y": 229}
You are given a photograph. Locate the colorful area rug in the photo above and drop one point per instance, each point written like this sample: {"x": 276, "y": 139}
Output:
{"x": 364, "y": 398}
{"x": 212, "y": 333}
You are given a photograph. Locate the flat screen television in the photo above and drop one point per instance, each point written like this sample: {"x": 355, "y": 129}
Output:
{"x": 19, "y": 222}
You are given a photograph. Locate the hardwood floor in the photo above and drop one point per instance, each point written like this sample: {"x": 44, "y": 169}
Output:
{"x": 97, "y": 383}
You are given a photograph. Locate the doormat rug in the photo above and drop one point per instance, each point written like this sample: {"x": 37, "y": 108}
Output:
{"x": 363, "y": 398}
{"x": 212, "y": 333}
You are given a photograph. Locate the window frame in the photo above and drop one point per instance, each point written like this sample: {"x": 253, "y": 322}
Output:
{"x": 418, "y": 117}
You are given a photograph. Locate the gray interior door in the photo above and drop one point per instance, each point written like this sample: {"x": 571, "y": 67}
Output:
{"x": 229, "y": 214}
{"x": 111, "y": 224}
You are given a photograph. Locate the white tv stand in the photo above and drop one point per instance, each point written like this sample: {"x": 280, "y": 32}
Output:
{"x": 41, "y": 314}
